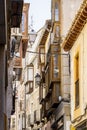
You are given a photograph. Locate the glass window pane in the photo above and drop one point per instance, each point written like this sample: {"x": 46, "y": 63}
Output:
{"x": 56, "y": 12}
{"x": 55, "y": 66}
{"x": 30, "y": 74}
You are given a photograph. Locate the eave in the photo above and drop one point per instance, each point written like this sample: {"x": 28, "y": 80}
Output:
{"x": 76, "y": 28}
{"x": 46, "y": 32}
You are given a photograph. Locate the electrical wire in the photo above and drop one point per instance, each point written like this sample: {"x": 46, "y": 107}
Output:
{"x": 47, "y": 53}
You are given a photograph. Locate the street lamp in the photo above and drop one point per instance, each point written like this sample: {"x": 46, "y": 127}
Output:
{"x": 32, "y": 37}
{"x": 37, "y": 79}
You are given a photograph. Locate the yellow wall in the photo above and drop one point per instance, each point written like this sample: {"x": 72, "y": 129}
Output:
{"x": 79, "y": 46}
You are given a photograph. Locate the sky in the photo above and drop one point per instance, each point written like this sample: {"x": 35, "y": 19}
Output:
{"x": 39, "y": 12}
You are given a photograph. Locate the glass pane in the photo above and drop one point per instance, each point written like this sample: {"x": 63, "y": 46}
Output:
{"x": 23, "y": 22}
{"x": 31, "y": 85}
{"x": 56, "y": 12}
{"x": 30, "y": 74}
{"x": 57, "y": 31}
{"x": 55, "y": 66}
{"x": 77, "y": 93}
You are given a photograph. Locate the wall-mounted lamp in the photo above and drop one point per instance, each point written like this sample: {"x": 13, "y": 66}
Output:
{"x": 32, "y": 37}
{"x": 37, "y": 79}
{"x": 60, "y": 98}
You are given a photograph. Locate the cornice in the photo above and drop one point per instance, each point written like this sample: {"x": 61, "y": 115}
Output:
{"x": 46, "y": 32}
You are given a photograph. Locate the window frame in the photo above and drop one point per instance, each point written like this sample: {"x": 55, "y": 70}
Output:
{"x": 30, "y": 82}
{"x": 55, "y": 61}
{"x": 30, "y": 67}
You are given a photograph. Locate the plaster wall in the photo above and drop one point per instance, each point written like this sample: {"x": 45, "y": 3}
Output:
{"x": 80, "y": 43}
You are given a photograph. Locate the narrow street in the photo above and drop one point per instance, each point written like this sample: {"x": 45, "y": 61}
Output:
{"x": 43, "y": 69}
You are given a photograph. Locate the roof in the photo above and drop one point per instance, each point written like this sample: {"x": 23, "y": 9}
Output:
{"x": 76, "y": 27}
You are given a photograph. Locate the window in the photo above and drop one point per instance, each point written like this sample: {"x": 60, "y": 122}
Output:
{"x": 23, "y": 16}
{"x": 42, "y": 56}
{"x": 30, "y": 74}
{"x": 30, "y": 79}
{"x": 23, "y": 120}
{"x": 56, "y": 12}
{"x": 55, "y": 63}
{"x": 30, "y": 84}
{"x": 55, "y": 92}
{"x": 57, "y": 31}
{"x": 77, "y": 80}
{"x": 55, "y": 66}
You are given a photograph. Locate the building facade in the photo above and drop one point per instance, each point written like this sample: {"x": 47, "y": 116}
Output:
{"x": 6, "y": 22}
{"x": 77, "y": 48}
{"x": 56, "y": 103}
{"x": 45, "y": 104}
{"x": 19, "y": 44}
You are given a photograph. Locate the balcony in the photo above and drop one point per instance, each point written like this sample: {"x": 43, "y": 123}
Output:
{"x": 52, "y": 68}
{"x": 51, "y": 100}
{"x": 55, "y": 94}
{"x": 49, "y": 109}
